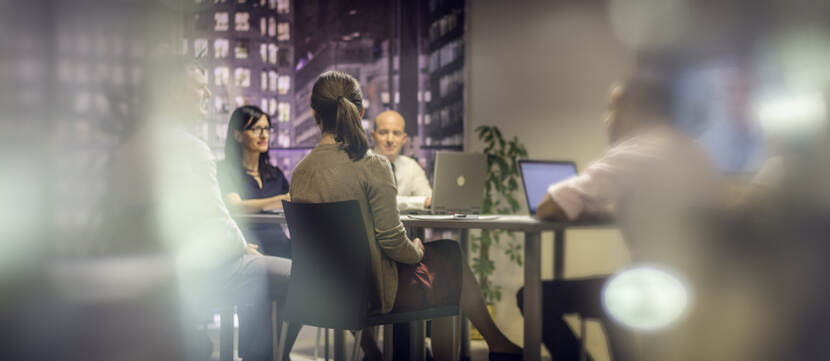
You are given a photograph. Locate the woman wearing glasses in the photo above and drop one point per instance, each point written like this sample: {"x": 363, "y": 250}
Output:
{"x": 249, "y": 182}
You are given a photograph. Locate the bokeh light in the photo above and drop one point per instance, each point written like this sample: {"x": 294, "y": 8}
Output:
{"x": 645, "y": 298}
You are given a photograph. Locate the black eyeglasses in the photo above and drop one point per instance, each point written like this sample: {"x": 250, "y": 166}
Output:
{"x": 260, "y": 130}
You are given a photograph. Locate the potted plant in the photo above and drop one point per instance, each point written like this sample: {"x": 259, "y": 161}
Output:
{"x": 501, "y": 185}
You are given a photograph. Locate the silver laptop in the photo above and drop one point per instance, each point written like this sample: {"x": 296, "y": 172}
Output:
{"x": 458, "y": 182}
{"x": 538, "y": 175}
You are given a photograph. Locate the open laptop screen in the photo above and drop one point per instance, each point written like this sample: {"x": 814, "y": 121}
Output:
{"x": 538, "y": 175}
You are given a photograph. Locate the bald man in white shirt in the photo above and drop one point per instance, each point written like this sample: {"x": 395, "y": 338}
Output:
{"x": 389, "y": 136}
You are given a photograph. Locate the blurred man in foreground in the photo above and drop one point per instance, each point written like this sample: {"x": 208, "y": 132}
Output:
{"x": 650, "y": 180}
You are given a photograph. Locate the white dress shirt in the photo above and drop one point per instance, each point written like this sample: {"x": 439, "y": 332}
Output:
{"x": 652, "y": 183}
{"x": 413, "y": 186}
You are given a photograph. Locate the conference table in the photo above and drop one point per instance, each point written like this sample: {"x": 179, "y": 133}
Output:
{"x": 532, "y": 229}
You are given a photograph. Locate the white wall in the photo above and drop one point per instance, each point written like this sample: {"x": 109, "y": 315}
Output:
{"x": 540, "y": 71}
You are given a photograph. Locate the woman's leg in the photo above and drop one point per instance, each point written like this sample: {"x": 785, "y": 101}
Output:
{"x": 442, "y": 338}
{"x": 474, "y": 307}
{"x": 370, "y": 345}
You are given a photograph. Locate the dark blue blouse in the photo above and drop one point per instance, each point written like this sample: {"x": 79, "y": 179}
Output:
{"x": 270, "y": 238}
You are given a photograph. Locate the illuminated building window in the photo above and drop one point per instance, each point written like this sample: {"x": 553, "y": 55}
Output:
{"x": 263, "y": 80}
{"x": 221, "y": 75}
{"x": 220, "y": 48}
{"x": 263, "y": 52}
{"x": 221, "y": 19}
{"x": 285, "y": 113}
{"x": 241, "y": 21}
{"x": 272, "y": 26}
{"x": 284, "y": 84}
{"x": 283, "y": 6}
{"x": 240, "y": 51}
{"x": 242, "y": 77}
{"x": 272, "y": 4}
{"x": 272, "y": 106}
{"x": 272, "y": 53}
{"x": 263, "y": 26}
{"x": 221, "y": 103}
{"x": 272, "y": 80}
{"x": 283, "y": 32}
{"x": 200, "y": 47}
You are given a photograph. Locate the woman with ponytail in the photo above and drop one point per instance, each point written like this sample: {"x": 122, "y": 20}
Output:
{"x": 408, "y": 275}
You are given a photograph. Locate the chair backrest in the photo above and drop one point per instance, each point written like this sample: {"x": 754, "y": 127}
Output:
{"x": 331, "y": 267}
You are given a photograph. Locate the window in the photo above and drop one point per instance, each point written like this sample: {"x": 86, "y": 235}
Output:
{"x": 272, "y": 4}
{"x": 240, "y": 51}
{"x": 221, "y": 74}
{"x": 283, "y": 58}
{"x": 221, "y": 19}
{"x": 272, "y": 106}
{"x": 240, "y": 21}
{"x": 272, "y": 80}
{"x": 263, "y": 104}
{"x": 272, "y": 53}
{"x": 200, "y": 47}
{"x": 263, "y": 52}
{"x": 242, "y": 77}
{"x": 263, "y": 26}
{"x": 220, "y": 48}
{"x": 240, "y": 101}
{"x": 221, "y": 103}
{"x": 272, "y": 26}
{"x": 284, "y": 84}
{"x": 284, "y": 139}
{"x": 283, "y": 32}
{"x": 283, "y": 6}
{"x": 285, "y": 113}
{"x": 263, "y": 80}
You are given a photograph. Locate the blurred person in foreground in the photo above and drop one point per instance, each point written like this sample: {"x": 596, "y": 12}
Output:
{"x": 778, "y": 238}
{"x": 649, "y": 181}
{"x": 389, "y": 136}
{"x": 167, "y": 199}
{"x": 407, "y": 275}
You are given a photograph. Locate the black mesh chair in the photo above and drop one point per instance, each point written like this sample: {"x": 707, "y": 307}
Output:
{"x": 331, "y": 272}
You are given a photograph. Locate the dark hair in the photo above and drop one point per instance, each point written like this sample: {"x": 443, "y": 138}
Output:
{"x": 338, "y": 104}
{"x": 651, "y": 92}
{"x": 243, "y": 118}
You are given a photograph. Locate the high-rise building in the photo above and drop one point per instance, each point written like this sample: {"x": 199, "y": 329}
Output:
{"x": 444, "y": 121}
{"x": 248, "y": 50}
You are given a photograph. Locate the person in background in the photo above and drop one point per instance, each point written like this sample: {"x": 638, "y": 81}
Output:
{"x": 248, "y": 180}
{"x": 407, "y": 274}
{"x": 250, "y": 184}
{"x": 649, "y": 181}
{"x": 389, "y": 135}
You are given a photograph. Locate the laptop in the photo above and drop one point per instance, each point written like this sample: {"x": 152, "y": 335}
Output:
{"x": 458, "y": 183}
{"x": 538, "y": 175}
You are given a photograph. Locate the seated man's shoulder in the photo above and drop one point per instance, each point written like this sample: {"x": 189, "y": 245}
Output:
{"x": 407, "y": 161}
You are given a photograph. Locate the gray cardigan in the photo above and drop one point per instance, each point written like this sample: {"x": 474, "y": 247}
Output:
{"x": 328, "y": 175}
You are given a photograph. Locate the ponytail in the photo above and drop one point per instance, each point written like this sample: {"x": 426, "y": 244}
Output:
{"x": 338, "y": 107}
{"x": 348, "y": 129}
